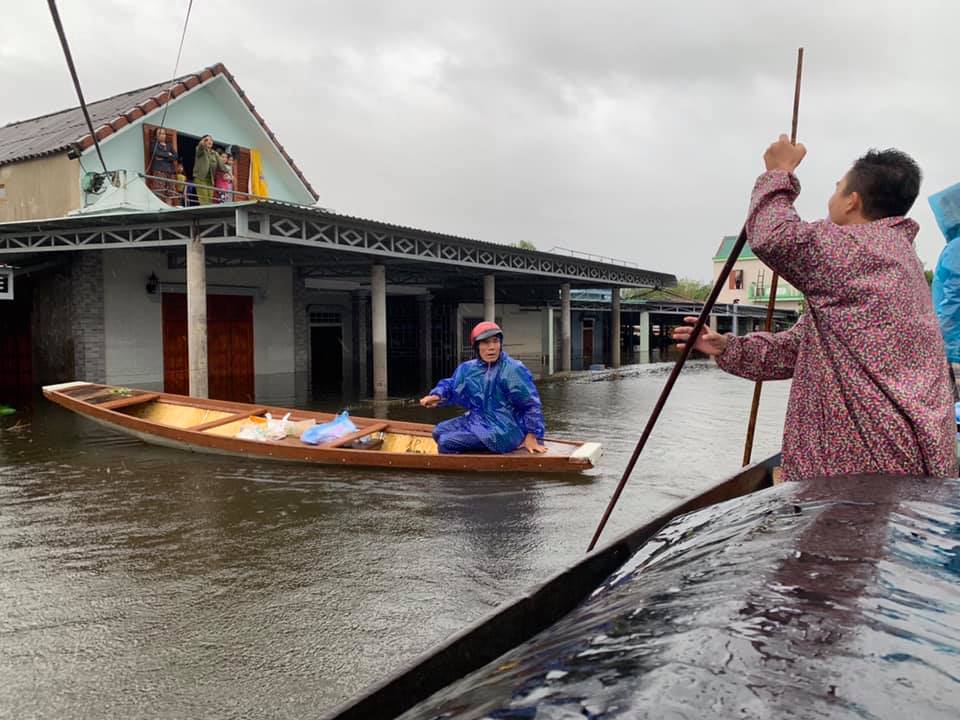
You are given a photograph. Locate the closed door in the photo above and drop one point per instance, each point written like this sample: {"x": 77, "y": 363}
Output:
{"x": 229, "y": 346}
{"x": 587, "y": 344}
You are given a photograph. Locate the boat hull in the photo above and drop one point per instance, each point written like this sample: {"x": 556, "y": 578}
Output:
{"x": 118, "y": 408}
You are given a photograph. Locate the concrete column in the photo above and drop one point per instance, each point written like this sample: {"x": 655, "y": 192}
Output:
{"x": 736, "y": 323}
{"x": 547, "y": 342}
{"x": 713, "y": 322}
{"x": 615, "y": 328}
{"x": 197, "y": 317}
{"x": 565, "y": 359}
{"x": 644, "y": 346}
{"x": 489, "y": 298}
{"x": 425, "y": 307}
{"x": 361, "y": 341}
{"x": 378, "y": 312}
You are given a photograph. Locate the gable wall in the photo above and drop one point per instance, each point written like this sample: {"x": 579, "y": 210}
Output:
{"x": 212, "y": 109}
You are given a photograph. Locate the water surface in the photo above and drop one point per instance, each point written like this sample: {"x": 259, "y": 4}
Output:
{"x": 143, "y": 582}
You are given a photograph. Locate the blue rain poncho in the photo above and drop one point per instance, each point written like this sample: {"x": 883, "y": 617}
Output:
{"x": 946, "y": 277}
{"x": 502, "y": 403}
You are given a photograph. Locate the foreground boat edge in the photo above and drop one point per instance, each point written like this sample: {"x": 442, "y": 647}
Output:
{"x": 518, "y": 620}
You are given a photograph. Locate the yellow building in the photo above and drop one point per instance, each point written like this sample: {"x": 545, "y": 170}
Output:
{"x": 749, "y": 281}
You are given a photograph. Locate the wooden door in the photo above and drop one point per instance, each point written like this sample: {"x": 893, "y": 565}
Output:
{"x": 241, "y": 175}
{"x": 587, "y": 343}
{"x": 229, "y": 346}
{"x": 16, "y": 358}
{"x": 176, "y": 376}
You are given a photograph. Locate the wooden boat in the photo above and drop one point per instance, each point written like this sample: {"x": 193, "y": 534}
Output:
{"x": 211, "y": 426}
{"x": 828, "y": 598}
{"x": 516, "y": 622}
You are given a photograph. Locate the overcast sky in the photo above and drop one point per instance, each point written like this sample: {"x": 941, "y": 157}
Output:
{"x": 628, "y": 129}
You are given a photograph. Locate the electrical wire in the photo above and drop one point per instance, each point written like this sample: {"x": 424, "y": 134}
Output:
{"x": 76, "y": 81}
{"x": 176, "y": 66}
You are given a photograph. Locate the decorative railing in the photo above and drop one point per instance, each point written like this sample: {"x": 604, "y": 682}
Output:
{"x": 785, "y": 292}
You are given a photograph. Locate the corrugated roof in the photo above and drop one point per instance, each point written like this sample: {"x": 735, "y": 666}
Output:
{"x": 58, "y": 132}
{"x": 726, "y": 245}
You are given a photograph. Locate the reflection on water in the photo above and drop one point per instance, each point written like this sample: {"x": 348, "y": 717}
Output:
{"x": 143, "y": 582}
{"x": 836, "y": 599}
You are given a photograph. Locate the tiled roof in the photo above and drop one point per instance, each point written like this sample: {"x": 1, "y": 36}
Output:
{"x": 726, "y": 245}
{"x": 60, "y": 131}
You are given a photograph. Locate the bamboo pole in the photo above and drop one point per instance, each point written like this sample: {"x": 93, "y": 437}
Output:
{"x": 772, "y": 302}
{"x": 688, "y": 346}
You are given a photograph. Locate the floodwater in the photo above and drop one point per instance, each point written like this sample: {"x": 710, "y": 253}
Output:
{"x": 142, "y": 582}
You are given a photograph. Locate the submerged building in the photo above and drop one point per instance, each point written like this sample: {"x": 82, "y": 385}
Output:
{"x": 118, "y": 275}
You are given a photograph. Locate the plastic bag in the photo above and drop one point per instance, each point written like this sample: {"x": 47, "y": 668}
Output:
{"x": 297, "y": 428}
{"x": 338, "y": 427}
{"x": 276, "y": 429}
{"x": 253, "y": 428}
{"x": 263, "y": 428}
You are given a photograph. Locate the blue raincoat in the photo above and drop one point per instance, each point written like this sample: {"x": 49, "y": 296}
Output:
{"x": 946, "y": 277}
{"x": 502, "y": 404}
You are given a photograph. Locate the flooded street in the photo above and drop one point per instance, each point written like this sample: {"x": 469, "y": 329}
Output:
{"x": 141, "y": 582}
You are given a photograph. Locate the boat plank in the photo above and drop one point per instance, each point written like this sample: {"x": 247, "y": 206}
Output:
{"x": 361, "y": 432}
{"x": 226, "y": 420}
{"x": 127, "y": 401}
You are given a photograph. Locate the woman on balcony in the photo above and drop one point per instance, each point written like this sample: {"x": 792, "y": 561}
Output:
{"x": 205, "y": 166}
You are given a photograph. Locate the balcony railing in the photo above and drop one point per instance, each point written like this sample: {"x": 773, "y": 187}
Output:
{"x": 785, "y": 292}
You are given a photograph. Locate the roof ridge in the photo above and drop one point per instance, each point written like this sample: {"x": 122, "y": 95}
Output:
{"x": 172, "y": 82}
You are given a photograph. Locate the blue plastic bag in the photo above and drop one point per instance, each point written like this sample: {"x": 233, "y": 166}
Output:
{"x": 338, "y": 427}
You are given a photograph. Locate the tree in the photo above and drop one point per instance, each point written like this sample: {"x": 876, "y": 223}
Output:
{"x": 929, "y": 276}
{"x": 524, "y": 245}
{"x": 686, "y": 289}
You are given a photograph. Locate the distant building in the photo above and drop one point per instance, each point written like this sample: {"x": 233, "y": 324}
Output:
{"x": 749, "y": 281}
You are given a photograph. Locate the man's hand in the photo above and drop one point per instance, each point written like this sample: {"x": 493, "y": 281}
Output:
{"x": 784, "y": 155}
{"x": 531, "y": 444}
{"x": 429, "y": 401}
{"x": 709, "y": 342}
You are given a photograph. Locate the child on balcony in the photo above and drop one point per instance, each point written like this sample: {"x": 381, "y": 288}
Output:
{"x": 223, "y": 180}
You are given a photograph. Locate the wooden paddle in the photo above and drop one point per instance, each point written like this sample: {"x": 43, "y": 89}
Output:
{"x": 688, "y": 347}
{"x": 771, "y": 304}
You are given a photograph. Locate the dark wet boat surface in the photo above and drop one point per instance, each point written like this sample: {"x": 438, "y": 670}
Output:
{"x": 834, "y": 598}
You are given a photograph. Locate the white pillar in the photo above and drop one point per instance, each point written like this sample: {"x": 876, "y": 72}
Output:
{"x": 489, "y": 298}
{"x": 615, "y": 328}
{"x": 547, "y": 342}
{"x": 378, "y": 307}
{"x": 197, "y": 317}
{"x": 644, "y": 347}
{"x": 565, "y": 323}
{"x": 736, "y": 324}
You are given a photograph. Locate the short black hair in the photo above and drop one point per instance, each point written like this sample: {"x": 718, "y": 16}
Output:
{"x": 888, "y": 182}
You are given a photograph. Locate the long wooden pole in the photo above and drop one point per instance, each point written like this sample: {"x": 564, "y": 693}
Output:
{"x": 772, "y": 302}
{"x": 688, "y": 347}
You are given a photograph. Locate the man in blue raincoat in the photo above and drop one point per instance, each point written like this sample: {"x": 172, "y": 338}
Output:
{"x": 503, "y": 405}
{"x": 946, "y": 277}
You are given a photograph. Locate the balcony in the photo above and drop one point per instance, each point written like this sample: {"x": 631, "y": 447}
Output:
{"x": 785, "y": 292}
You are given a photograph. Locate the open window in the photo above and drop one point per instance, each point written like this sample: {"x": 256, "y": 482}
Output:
{"x": 735, "y": 281}
{"x": 175, "y": 192}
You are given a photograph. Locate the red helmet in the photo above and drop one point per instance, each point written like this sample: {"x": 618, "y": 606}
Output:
{"x": 484, "y": 330}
